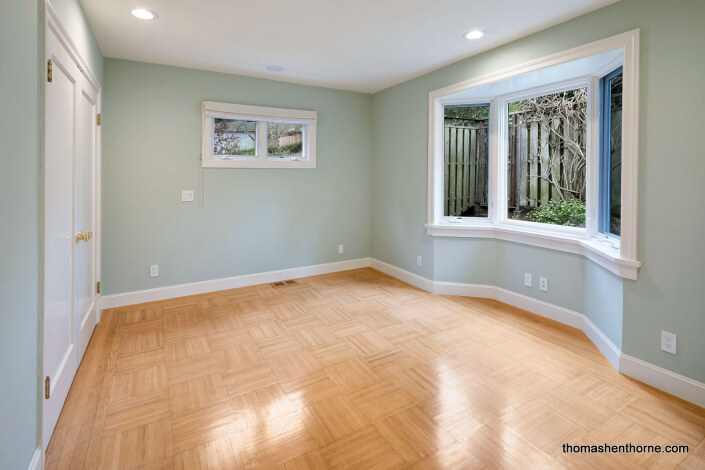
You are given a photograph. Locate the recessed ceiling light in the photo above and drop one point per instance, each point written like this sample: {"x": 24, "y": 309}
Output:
{"x": 474, "y": 34}
{"x": 275, "y": 68}
{"x": 144, "y": 14}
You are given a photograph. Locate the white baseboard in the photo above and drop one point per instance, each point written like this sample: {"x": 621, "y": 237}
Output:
{"x": 402, "y": 274}
{"x": 540, "y": 307}
{"x": 203, "y": 287}
{"x": 36, "y": 463}
{"x": 481, "y": 291}
{"x": 658, "y": 377}
{"x": 603, "y": 343}
{"x": 663, "y": 379}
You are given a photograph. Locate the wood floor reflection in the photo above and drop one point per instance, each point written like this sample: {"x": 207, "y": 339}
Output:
{"x": 355, "y": 370}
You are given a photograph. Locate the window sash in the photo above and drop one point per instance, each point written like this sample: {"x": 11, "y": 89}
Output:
{"x": 303, "y": 156}
{"x": 502, "y": 200}
{"x": 498, "y": 154}
{"x": 473, "y": 103}
{"x": 605, "y": 164}
{"x": 226, "y": 158}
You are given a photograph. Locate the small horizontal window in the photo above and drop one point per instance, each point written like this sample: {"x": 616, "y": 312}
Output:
{"x": 241, "y": 136}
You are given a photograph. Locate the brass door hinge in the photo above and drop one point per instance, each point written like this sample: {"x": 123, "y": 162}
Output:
{"x": 97, "y": 287}
{"x": 47, "y": 387}
{"x": 97, "y": 119}
{"x": 49, "y": 70}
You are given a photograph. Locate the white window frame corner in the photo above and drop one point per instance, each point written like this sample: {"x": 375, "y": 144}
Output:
{"x": 619, "y": 256}
{"x": 262, "y": 115}
{"x": 436, "y": 214}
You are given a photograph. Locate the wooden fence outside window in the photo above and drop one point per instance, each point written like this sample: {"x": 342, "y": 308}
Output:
{"x": 546, "y": 161}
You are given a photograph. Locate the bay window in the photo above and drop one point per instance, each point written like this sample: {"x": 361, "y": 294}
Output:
{"x": 543, "y": 153}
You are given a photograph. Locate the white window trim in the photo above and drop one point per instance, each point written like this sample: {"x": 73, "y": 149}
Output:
{"x": 620, "y": 260}
{"x": 263, "y": 115}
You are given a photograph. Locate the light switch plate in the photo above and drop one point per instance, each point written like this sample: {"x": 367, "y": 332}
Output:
{"x": 187, "y": 195}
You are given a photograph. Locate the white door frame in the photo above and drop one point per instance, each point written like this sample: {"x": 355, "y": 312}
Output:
{"x": 53, "y": 24}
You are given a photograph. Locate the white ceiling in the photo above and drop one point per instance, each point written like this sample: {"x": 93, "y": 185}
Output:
{"x": 361, "y": 45}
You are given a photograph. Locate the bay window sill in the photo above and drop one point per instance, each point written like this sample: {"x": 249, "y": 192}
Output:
{"x": 598, "y": 251}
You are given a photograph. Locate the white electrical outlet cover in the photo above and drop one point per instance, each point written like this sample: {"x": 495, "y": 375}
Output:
{"x": 187, "y": 195}
{"x": 543, "y": 284}
{"x": 154, "y": 270}
{"x": 341, "y": 249}
{"x": 418, "y": 260}
{"x": 527, "y": 279}
{"x": 669, "y": 342}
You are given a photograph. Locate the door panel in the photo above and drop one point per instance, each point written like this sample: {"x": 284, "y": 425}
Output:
{"x": 60, "y": 328}
{"x": 84, "y": 274}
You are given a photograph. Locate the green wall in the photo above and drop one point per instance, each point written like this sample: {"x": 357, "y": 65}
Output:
{"x": 19, "y": 231}
{"x": 250, "y": 220}
{"x": 564, "y": 272}
{"x": 668, "y": 294}
{"x": 604, "y": 301}
{"x": 21, "y": 53}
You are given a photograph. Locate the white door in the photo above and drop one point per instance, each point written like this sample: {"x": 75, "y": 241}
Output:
{"x": 85, "y": 190}
{"x": 60, "y": 333}
{"x": 69, "y": 212}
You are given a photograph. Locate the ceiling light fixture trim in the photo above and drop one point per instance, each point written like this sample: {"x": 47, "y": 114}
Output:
{"x": 143, "y": 13}
{"x": 474, "y": 34}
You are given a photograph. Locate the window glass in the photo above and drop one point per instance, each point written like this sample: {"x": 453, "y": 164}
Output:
{"x": 611, "y": 153}
{"x": 466, "y": 162}
{"x": 234, "y": 137}
{"x": 285, "y": 140}
{"x": 546, "y": 158}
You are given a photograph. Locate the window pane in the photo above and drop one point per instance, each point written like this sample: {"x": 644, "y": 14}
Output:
{"x": 285, "y": 140}
{"x": 546, "y": 158}
{"x": 232, "y": 137}
{"x": 615, "y": 155}
{"x": 466, "y": 160}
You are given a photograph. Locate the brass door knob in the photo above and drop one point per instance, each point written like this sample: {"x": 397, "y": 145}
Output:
{"x": 85, "y": 236}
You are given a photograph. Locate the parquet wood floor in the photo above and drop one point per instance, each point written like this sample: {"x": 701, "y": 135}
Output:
{"x": 355, "y": 370}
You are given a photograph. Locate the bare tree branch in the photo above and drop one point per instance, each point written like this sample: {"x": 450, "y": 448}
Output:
{"x": 566, "y": 115}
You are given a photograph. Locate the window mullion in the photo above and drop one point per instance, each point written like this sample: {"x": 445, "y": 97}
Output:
{"x": 592, "y": 164}
{"x": 499, "y": 155}
{"x": 261, "y": 140}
